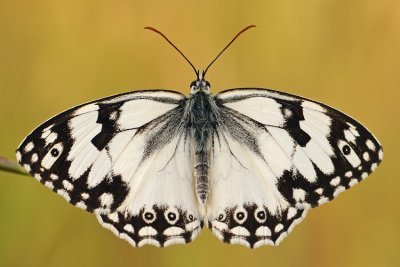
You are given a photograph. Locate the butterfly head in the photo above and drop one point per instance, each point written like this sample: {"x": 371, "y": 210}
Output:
{"x": 200, "y": 84}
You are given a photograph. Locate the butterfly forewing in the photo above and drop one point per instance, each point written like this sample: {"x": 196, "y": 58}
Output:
{"x": 275, "y": 156}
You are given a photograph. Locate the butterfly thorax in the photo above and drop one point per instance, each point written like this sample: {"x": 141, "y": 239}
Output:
{"x": 200, "y": 112}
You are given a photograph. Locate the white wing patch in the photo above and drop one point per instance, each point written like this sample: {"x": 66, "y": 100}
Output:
{"x": 136, "y": 113}
{"x": 303, "y": 164}
{"x": 264, "y": 110}
{"x": 50, "y": 157}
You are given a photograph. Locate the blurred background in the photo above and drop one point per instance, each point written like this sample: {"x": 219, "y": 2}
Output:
{"x": 57, "y": 54}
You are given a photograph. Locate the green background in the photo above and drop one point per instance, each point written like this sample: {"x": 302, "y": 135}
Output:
{"x": 57, "y": 54}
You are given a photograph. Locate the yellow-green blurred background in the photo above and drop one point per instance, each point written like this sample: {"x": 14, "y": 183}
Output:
{"x": 57, "y": 54}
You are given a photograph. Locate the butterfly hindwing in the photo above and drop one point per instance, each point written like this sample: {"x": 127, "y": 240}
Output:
{"x": 281, "y": 155}
{"x": 245, "y": 205}
{"x": 108, "y": 157}
{"x": 162, "y": 208}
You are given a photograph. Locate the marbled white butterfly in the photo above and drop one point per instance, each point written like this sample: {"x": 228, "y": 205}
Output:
{"x": 155, "y": 166}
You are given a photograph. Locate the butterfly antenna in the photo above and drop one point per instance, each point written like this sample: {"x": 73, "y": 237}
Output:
{"x": 177, "y": 49}
{"x": 234, "y": 38}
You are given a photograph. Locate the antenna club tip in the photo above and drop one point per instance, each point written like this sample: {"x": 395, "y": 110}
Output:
{"x": 248, "y": 27}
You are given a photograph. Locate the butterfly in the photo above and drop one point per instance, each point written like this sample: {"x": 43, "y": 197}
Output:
{"x": 155, "y": 166}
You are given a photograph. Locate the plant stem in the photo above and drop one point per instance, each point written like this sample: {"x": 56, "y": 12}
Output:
{"x": 11, "y": 166}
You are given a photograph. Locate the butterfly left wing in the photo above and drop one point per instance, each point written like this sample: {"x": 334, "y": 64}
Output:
{"x": 275, "y": 156}
{"x": 125, "y": 159}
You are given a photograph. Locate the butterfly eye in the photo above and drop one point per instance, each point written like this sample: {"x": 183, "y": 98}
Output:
{"x": 51, "y": 156}
{"x": 260, "y": 215}
{"x": 149, "y": 216}
{"x": 193, "y": 84}
{"x": 349, "y": 153}
{"x": 240, "y": 215}
{"x": 171, "y": 215}
{"x": 208, "y": 84}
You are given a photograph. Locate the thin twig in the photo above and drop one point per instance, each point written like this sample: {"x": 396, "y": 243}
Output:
{"x": 11, "y": 166}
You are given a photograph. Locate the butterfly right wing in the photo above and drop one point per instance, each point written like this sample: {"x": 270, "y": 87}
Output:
{"x": 277, "y": 155}
{"x": 116, "y": 157}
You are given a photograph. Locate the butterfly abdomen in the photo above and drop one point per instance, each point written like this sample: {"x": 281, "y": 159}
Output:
{"x": 201, "y": 176}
